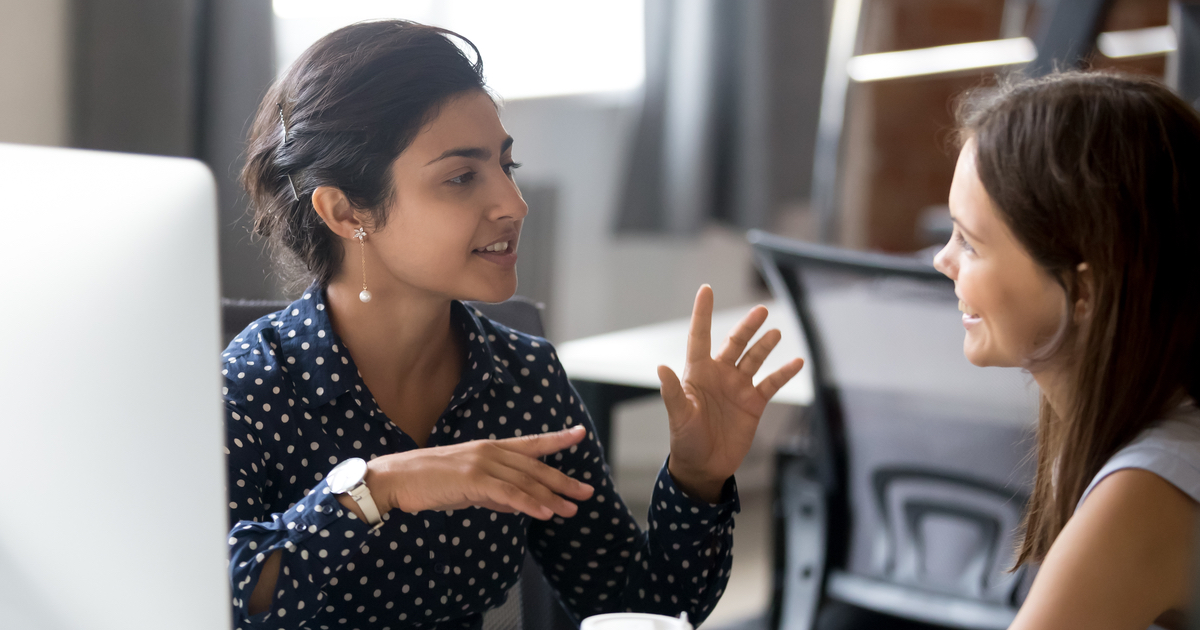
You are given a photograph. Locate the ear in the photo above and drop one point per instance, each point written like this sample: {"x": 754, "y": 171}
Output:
{"x": 336, "y": 211}
{"x": 1085, "y": 293}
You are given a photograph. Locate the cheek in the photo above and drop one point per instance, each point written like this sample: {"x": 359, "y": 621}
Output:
{"x": 1046, "y": 313}
{"x": 975, "y": 284}
{"x": 1020, "y": 315}
{"x": 428, "y": 244}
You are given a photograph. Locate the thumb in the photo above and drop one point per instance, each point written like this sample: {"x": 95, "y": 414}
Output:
{"x": 672, "y": 391}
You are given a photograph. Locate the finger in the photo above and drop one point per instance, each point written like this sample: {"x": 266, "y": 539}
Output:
{"x": 742, "y": 334}
{"x": 777, "y": 379}
{"x": 542, "y": 444}
{"x": 754, "y": 357}
{"x": 501, "y": 492}
{"x": 548, "y": 476}
{"x": 527, "y": 494}
{"x": 700, "y": 335}
{"x": 672, "y": 391}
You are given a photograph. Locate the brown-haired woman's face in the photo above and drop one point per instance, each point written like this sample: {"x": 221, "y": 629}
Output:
{"x": 456, "y": 215}
{"x": 1011, "y": 306}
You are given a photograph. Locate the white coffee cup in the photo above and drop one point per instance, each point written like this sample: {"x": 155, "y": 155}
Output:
{"x": 635, "y": 621}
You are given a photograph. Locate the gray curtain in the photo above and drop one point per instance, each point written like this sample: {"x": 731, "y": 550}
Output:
{"x": 179, "y": 78}
{"x": 729, "y": 113}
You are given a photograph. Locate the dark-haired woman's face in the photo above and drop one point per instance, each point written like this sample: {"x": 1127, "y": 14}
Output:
{"x": 1011, "y": 306}
{"x": 456, "y": 216}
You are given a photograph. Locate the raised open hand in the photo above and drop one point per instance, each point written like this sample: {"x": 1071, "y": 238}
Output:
{"x": 715, "y": 410}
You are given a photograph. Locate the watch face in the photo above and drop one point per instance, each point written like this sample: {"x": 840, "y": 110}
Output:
{"x": 346, "y": 475}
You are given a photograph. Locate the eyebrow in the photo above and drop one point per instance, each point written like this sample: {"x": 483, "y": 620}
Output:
{"x": 964, "y": 228}
{"x": 473, "y": 153}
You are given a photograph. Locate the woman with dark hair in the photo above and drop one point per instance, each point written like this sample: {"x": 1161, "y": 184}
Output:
{"x": 1076, "y": 255}
{"x": 393, "y": 454}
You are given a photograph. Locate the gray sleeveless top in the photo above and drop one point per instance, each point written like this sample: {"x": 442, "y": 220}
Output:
{"x": 1170, "y": 449}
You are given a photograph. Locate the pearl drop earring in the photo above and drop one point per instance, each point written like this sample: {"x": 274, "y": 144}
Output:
{"x": 361, "y": 235}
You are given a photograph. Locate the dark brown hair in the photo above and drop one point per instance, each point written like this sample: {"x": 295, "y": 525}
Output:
{"x": 1099, "y": 168}
{"x": 339, "y": 117}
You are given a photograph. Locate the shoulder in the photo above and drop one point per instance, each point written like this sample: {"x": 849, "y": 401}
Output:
{"x": 1122, "y": 560}
{"x": 519, "y": 352}
{"x": 1170, "y": 449}
{"x": 527, "y": 364}
{"x": 251, "y": 366}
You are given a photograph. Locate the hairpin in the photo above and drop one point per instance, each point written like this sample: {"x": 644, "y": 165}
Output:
{"x": 295, "y": 195}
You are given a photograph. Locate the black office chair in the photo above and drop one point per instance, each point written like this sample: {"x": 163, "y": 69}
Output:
{"x": 532, "y": 604}
{"x": 901, "y": 510}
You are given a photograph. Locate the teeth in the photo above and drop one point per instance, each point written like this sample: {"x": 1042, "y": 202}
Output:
{"x": 962, "y": 306}
{"x": 497, "y": 247}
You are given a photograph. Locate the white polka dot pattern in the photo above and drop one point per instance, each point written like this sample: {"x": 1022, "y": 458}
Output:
{"x": 296, "y": 406}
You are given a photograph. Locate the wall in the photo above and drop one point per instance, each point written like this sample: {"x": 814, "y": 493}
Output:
{"x": 899, "y": 158}
{"x": 578, "y": 146}
{"x": 33, "y": 71}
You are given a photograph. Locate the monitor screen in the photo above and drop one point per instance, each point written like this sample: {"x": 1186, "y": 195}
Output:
{"x": 112, "y": 481}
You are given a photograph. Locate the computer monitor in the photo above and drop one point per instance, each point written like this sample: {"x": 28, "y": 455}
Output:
{"x": 112, "y": 480}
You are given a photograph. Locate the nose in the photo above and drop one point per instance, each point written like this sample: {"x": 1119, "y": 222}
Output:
{"x": 508, "y": 202}
{"x": 944, "y": 262}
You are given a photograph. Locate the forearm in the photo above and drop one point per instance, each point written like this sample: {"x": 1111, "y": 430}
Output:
{"x": 309, "y": 543}
{"x": 599, "y": 560}
{"x": 688, "y": 552}
{"x": 264, "y": 590}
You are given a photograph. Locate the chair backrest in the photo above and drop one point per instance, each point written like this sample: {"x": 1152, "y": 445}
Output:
{"x": 531, "y": 603}
{"x": 923, "y": 457}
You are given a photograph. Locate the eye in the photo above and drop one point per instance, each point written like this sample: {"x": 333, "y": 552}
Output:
{"x": 462, "y": 180}
{"x": 962, "y": 241}
{"x": 510, "y": 167}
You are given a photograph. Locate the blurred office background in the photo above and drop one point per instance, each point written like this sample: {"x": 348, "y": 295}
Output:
{"x": 653, "y": 133}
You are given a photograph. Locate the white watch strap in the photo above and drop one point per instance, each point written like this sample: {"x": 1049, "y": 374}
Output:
{"x": 362, "y": 496}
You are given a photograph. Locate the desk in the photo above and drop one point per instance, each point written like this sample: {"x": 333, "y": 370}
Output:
{"x": 609, "y": 368}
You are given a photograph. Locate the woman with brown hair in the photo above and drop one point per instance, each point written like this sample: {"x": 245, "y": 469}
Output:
{"x": 1076, "y": 255}
{"x": 393, "y": 455}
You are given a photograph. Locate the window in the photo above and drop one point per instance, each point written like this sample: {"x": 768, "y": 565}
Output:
{"x": 530, "y": 48}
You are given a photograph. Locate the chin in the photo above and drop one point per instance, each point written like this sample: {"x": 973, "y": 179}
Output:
{"x": 982, "y": 357}
{"x": 493, "y": 294}
{"x": 978, "y": 356}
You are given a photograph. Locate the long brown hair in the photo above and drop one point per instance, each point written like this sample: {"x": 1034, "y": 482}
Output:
{"x": 1102, "y": 169}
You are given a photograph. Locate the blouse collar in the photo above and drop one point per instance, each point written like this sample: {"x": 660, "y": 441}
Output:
{"x": 322, "y": 369}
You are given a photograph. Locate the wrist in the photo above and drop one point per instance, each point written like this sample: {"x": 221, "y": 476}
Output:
{"x": 696, "y": 482}
{"x": 348, "y": 482}
{"x": 375, "y": 482}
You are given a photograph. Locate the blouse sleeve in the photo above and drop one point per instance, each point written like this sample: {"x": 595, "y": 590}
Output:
{"x": 319, "y": 540}
{"x": 316, "y": 536}
{"x": 600, "y": 560}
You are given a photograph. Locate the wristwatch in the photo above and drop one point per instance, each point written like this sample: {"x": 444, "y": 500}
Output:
{"x": 348, "y": 478}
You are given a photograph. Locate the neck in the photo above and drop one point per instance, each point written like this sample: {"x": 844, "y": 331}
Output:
{"x": 1055, "y": 384}
{"x": 399, "y": 335}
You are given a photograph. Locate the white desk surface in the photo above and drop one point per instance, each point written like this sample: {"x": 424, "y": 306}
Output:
{"x": 632, "y": 356}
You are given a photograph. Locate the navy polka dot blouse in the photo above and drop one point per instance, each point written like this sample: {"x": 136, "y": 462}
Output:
{"x": 296, "y": 406}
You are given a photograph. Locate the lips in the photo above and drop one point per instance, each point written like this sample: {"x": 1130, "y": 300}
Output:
{"x": 968, "y": 315}
{"x": 504, "y": 243}
{"x": 502, "y": 251}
